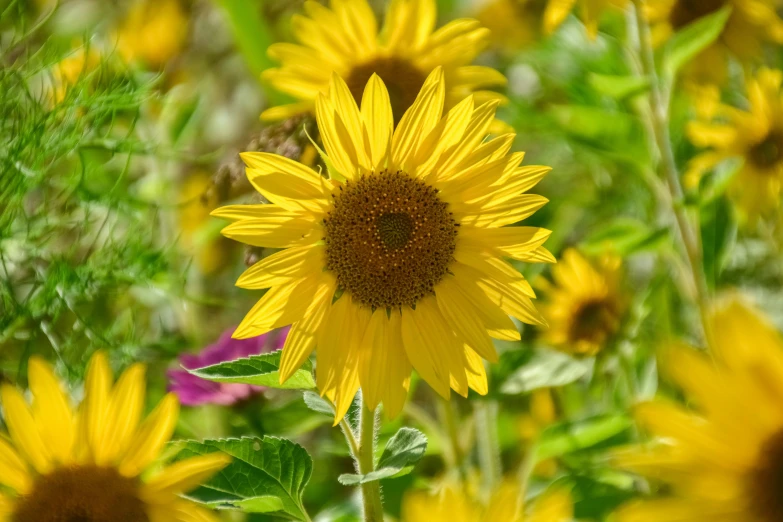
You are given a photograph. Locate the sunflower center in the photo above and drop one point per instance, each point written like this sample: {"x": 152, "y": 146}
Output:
{"x": 685, "y": 12}
{"x": 768, "y": 152}
{"x": 402, "y": 79}
{"x": 593, "y": 322}
{"x": 82, "y": 494}
{"x": 766, "y": 481}
{"x": 389, "y": 239}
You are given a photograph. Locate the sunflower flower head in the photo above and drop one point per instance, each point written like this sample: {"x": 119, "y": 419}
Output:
{"x": 346, "y": 40}
{"x": 751, "y": 24}
{"x": 755, "y": 136}
{"x": 450, "y": 504}
{"x": 397, "y": 261}
{"x": 512, "y": 23}
{"x": 584, "y": 305}
{"x": 59, "y": 464}
{"x": 589, "y": 11}
{"x": 722, "y": 459}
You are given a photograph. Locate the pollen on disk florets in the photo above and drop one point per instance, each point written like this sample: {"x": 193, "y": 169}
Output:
{"x": 389, "y": 239}
{"x": 82, "y": 493}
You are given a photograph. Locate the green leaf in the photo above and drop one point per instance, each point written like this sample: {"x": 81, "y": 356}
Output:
{"x": 693, "y": 39}
{"x": 266, "y": 475}
{"x": 403, "y": 450}
{"x": 259, "y": 370}
{"x": 718, "y": 232}
{"x": 567, "y": 437}
{"x": 595, "y": 123}
{"x": 618, "y": 87}
{"x": 179, "y": 108}
{"x": 625, "y": 236}
{"x": 317, "y": 403}
{"x": 546, "y": 369}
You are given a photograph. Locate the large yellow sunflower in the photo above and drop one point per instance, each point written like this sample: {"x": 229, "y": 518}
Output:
{"x": 451, "y": 505}
{"x": 584, "y": 305}
{"x": 60, "y": 465}
{"x": 345, "y": 40}
{"x": 397, "y": 260}
{"x": 756, "y": 136}
{"x": 751, "y": 23}
{"x": 722, "y": 459}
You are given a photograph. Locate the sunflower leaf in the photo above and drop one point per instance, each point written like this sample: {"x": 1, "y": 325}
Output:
{"x": 258, "y": 370}
{"x": 618, "y": 87}
{"x": 546, "y": 369}
{"x": 693, "y": 39}
{"x": 267, "y": 475}
{"x": 570, "y": 436}
{"x": 402, "y": 452}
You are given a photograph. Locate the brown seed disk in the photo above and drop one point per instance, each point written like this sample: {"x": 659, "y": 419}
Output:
{"x": 765, "y": 483}
{"x": 402, "y": 79}
{"x": 769, "y": 152}
{"x": 82, "y": 494}
{"x": 389, "y": 239}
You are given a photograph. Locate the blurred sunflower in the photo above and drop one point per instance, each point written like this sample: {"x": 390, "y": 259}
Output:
{"x": 756, "y": 136}
{"x": 512, "y": 23}
{"x": 396, "y": 261}
{"x": 724, "y": 461}
{"x": 211, "y": 253}
{"x": 584, "y": 305}
{"x": 750, "y": 24}
{"x": 452, "y": 505}
{"x": 345, "y": 40}
{"x": 153, "y": 32}
{"x": 70, "y": 70}
{"x": 590, "y": 12}
{"x": 86, "y": 465}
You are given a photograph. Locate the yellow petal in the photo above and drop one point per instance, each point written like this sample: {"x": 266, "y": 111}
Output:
{"x": 263, "y": 211}
{"x": 289, "y": 191}
{"x": 283, "y": 267}
{"x": 13, "y": 470}
{"x": 378, "y": 120}
{"x": 459, "y": 314}
{"x": 23, "y": 430}
{"x": 125, "y": 410}
{"x": 51, "y": 410}
{"x": 477, "y": 374}
{"x": 419, "y": 119}
{"x": 556, "y": 11}
{"x": 184, "y": 476}
{"x": 338, "y": 142}
{"x": 153, "y": 433}
{"x": 275, "y": 232}
{"x": 498, "y": 324}
{"x": 345, "y": 105}
{"x": 384, "y": 372}
{"x": 95, "y": 408}
{"x": 553, "y": 506}
{"x": 301, "y": 339}
{"x": 444, "y": 139}
{"x": 475, "y": 132}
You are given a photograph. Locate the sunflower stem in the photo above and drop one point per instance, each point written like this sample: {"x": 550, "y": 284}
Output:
{"x": 371, "y": 491}
{"x": 449, "y": 418}
{"x": 487, "y": 445}
{"x": 659, "y": 125}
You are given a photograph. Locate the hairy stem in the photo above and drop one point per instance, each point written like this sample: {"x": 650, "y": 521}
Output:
{"x": 371, "y": 491}
{"x": 658, "y": 114}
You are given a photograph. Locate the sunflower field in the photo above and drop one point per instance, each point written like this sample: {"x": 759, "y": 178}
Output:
{"x": 391, "y": 260}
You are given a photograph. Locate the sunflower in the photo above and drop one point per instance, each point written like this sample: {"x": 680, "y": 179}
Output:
{"x": 750, "y": 24}
{"x": 722, "y": 461}
{"x": 85, "y": 465}
{"x": 584, "y": 305}
{"x": 345, "y": 40}
{"x": 590, "y": 12}
{"x": 397, "y": 260}
{"x": 756, "y": 136}
{"x": 512, "y": 23}
{"x": 452, "y": 505}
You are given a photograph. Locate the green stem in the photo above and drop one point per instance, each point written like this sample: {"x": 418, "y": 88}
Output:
{"x": 659, "y": 112}
{"x": 448, "y": 417}
{"x": 371, "y": 491}
{"x": 487, "y": 444}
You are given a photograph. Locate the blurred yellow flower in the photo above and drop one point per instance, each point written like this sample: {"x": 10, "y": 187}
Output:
{"x": 346, "y": 40}
{"x": 452, "y": 505}
{"x": 723, "y": 460}
{"x": 197, "y": 202}
{"x": 751, "y": 23}
{"x": 756, "y": 136}
{"x": 590, "y": 12}
{"x": 58, "y": 464}
{"x": 409, "y": 233}
{"x": 584, "y": 305}
{"x": 512, "y": 23}
{"x": 543, "y": 412}
{"x": 153, "y": 32}
{"x": 70, "y": 69}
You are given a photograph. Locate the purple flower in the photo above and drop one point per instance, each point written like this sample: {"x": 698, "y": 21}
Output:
{"x": 194, "y": 391}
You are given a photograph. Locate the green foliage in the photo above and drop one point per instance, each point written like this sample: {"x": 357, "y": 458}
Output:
{"x": 267, "y": 475}
{"x": 546, "y": 369}
{"x": 259, "y": 370}
{"x": 401, "y": 453}
{"x": 691, "y": 40}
